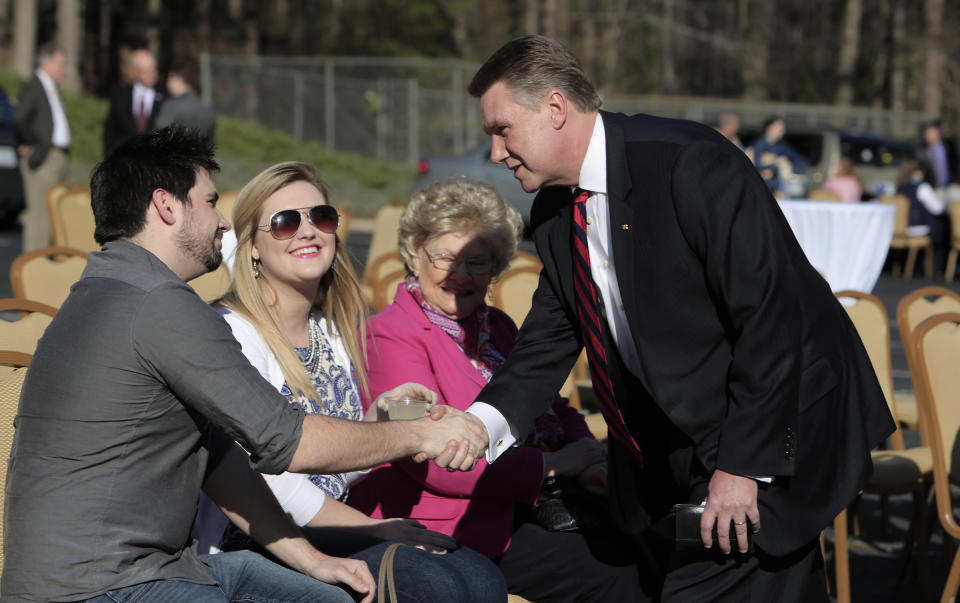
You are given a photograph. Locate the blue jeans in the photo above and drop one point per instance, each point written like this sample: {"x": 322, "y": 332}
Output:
{"x": 242, "y": 576}
{"x": 461, "y": 575}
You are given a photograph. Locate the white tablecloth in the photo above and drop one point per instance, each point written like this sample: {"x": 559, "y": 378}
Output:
{"x": 846, "y": 242}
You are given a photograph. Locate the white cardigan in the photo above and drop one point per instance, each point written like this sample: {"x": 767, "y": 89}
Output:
{"x": 298, "y": 496}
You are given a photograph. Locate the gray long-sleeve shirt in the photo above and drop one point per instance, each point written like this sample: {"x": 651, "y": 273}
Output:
{"x": 113, "y": 439}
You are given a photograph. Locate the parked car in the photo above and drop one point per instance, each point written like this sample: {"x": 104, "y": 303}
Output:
{"x": 476, "y": 164}
{"x": 876, "y": 158}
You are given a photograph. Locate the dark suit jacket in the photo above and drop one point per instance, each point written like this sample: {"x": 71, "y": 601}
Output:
{"x": 33, "y": 120}
{"x": 749, "y": 364}
{"x": 121, "y": 123}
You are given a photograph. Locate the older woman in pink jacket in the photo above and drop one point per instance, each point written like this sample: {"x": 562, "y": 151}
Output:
{"x": 455, "y": 237}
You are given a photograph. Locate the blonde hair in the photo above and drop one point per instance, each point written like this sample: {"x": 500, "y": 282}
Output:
{"x": 460, "y": 204}
{"x": 338, "y": 297}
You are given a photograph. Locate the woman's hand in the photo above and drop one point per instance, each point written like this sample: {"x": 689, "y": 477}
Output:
{"x": 413, "y": 533}
{"x": 594, "y": 479}
{"x": 337, "y": 570}
{"x": 574, "y": 458}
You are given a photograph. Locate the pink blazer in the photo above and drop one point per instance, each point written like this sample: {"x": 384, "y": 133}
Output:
{"x": 475, "y": 507}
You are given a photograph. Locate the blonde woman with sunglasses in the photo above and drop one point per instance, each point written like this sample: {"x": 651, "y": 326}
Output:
{"x": 296, "y": 309}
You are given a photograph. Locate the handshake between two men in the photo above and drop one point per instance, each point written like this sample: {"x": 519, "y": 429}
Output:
{"x": 450, "y": 437}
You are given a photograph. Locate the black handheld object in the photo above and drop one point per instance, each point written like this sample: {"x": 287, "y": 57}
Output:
{"x": 687, "y": 530}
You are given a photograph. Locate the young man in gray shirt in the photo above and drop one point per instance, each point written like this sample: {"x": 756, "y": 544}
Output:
{"x": 133, "y": 401}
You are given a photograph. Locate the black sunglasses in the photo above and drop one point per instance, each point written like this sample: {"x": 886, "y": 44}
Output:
{"x": 285, "y": 223}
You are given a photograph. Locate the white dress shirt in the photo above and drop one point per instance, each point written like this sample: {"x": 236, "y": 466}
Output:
{"x": 144, "y": 95}
{"x": 61, "y": 128}
{"x": 593, "y": 178}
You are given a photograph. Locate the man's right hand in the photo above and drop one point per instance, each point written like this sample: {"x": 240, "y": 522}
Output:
{"x": 452, "y": 438}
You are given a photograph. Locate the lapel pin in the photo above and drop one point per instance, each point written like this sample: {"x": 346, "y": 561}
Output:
{"x": 625, "y": 227}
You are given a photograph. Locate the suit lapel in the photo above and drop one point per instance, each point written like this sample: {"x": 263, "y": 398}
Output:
{"x": 622, "y": 227}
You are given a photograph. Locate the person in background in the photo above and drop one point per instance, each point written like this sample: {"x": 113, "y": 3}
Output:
{"x": 927, "y": 215}
{"x": 728, "y": 124}
{"x": 935, "y": 153}
{"x": 846, "y": 182}
{"x": 456, "y": 236}
{"x": 182, "y": 105}
{"x": 43, "y": 135}
{"x": 296, "y": 308}
{"x": 133, "y": 107}
{"x": 775, "y": 159}
{"x": 136, "y": 396}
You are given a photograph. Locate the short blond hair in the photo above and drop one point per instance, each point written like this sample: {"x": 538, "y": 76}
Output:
{"x": 460, "y": 205}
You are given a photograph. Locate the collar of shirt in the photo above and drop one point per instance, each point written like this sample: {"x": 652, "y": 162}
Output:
{"x": 593, "y": 170}
{"x": 142, "y": 92}
{"x": 45, "y": 79}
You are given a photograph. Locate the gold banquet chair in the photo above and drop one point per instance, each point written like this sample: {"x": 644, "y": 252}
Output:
{"x": 10, "y": 386}
{"x": 902, "y": 240}
{"x": 380, "y": 280}
{"x": 954, "y": 211}
{"x": 936, "y": 349}
{"x": 822, "y": 194}
{"x": 71, "y": 217}
{"x": 513, "y": 293}
{"x": 383, "y": 239}
{"x": 46, "y": 274}
{"x": 913, "y": 309}
{"x": 899, "y": 470}
{"x": 22, "y": 335}
{"x": 212, "y": 285}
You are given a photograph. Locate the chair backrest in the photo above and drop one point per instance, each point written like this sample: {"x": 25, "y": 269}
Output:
{"x": 936, "y": 347}
{"x": 386, "y": 225}
{"x": 902, "y": 217}
{"x": 225, "y": 204}
{"x": 22, "y": 335}
{"x": 380, "y": 281}
{"x": 212, "y": 285}
{"x": 513, "y": 291}
{"x": 823, "y": 194}
{"x": 10, "y": 386}
{"x": 873, "y": 325}
{"x": 71, "y": 219}
{"x": 523, "y": 258}
{"x": 343, "y": 227}
{"x": 920, "y": 305}
{"x": 46, "y": 274}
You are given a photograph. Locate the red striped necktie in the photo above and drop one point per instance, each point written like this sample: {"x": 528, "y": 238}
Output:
{"x": 588, "y": 310}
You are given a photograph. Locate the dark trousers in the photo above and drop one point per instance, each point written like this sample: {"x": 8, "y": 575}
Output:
{"x": 755, "y": 576}
{"x": 550, "y": 567}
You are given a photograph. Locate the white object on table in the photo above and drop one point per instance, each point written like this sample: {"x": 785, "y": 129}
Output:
{"x": 846, "y": 242}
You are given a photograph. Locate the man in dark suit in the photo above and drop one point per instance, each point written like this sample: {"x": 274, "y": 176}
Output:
{"x": 134, "y": 107}
{"x": 43, "y": 138}
{"x": 724, "y": 366}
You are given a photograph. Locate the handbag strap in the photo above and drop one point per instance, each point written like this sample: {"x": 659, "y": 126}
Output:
{"x": 385, "y": 580}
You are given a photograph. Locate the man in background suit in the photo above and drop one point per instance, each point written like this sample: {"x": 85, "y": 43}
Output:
{"x": 134, "y": 107}
{"x": 726, "y": 369}
{"x": 43, "y": 136}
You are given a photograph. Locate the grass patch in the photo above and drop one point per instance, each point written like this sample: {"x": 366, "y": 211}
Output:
{"x": 244, "y": 148}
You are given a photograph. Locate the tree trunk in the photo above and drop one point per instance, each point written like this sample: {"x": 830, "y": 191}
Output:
{"x": 69, "y": 32}
{"x": 898, "y": 63}
{"x": 933, "y": 55}
{"x": 531, "y": 16}
{"x": 153, "y": 27}
{"x": 849, "y": 50}
{"x": 204, "y": 16}
{"x": 612, "y": 30}
{"x": 666, "y": 43}
{"x": 756, "y": 24}
{"x": 4, "y": 23}
{"x": 24, "y": 36}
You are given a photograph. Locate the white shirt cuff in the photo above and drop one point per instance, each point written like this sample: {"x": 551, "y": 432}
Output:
{"x": 767, "y": 479}
{"x": 498, "y": 430}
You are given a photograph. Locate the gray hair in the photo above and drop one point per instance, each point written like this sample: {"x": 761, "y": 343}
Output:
{"x": 460, "y": 205}
{"x": 532, "y": 66}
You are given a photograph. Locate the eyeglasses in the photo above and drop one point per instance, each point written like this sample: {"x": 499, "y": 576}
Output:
{"x": 448, "y": 263}
{"x": 285, "y": 223}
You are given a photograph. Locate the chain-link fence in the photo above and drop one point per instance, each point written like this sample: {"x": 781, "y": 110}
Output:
{"x": 401, "y": 110}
